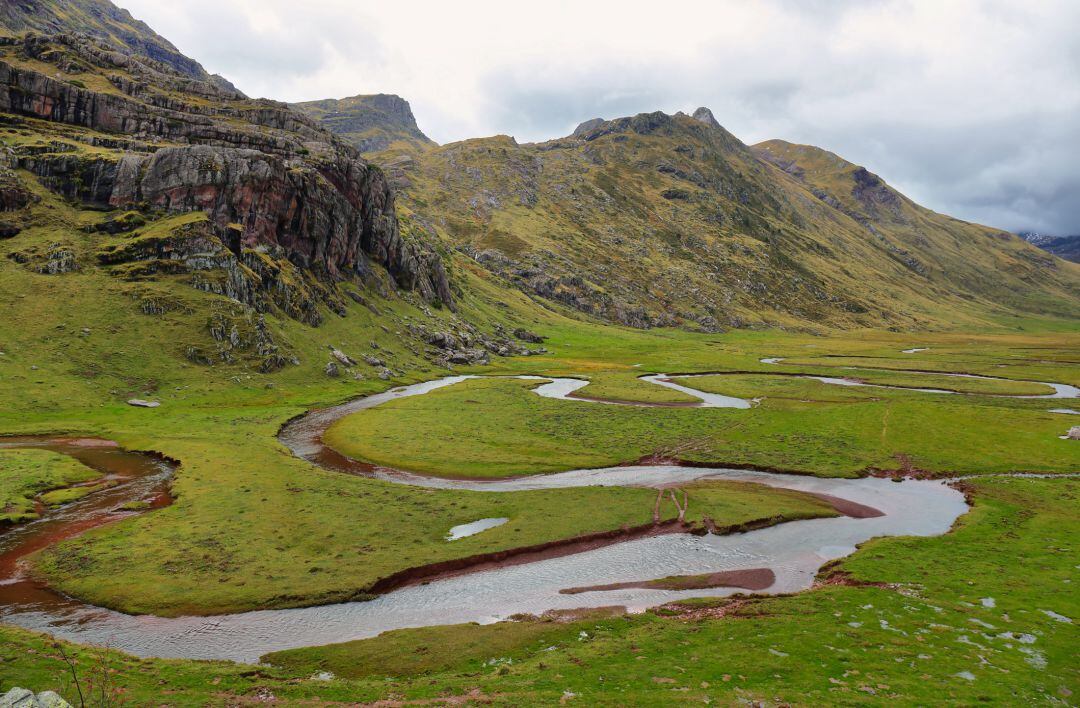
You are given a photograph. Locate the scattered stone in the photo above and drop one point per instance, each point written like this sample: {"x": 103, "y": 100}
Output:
{"x": 469, "y": 356}
{"x": 60, "y": 260}
{"x": 332, "y": 370}
{"x": 1074, "y": 433}
{"x": 385, "y": 374}
{"x": 140, "y": 403}
{"x": 373, "y": 361}
{"x": 527, "y": 336}
{"x": 25, "y": 698}
{"x": 341, "y": 356}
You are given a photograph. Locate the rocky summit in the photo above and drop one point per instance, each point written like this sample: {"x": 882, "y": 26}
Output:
{"x": 372, "y": 123}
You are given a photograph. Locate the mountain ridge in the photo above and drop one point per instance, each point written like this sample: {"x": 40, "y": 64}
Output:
{"x": 657, "y": 219}
{"x": 104, "y": 21}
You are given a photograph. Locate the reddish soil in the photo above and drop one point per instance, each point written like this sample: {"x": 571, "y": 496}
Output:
{"x": 693, "y": 613}
{"x": 747, "y": 579}
{"x": 524, "y": 554}
{"x": 847, "y": 507}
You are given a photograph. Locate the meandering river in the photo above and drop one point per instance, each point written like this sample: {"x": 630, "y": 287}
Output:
{"x": 793, "y": 551}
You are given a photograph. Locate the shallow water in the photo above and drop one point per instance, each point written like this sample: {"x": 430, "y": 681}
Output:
{"x": 793, "y": 551}
{"x": 474, "y": 527}
{"x": 138, "y": 477}
{"x": 708, "y": 400}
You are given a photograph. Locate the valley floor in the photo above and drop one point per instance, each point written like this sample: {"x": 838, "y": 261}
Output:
{"x": 982, "y": 613}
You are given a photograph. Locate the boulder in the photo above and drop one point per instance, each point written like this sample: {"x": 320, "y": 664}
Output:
{"x": 527, "y": 336}
{"x": 341, "y": 356}
{"x": 1074, "y": 433}
{"x": 25, "y": 698}
{"x": 468, "y": 356}
{"x": 332, "y": 369}
{"x": 140, "y": 403}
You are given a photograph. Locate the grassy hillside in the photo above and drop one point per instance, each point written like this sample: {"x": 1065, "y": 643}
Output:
{"x": 661, "y": 220}
{"x": 100, "y": 19}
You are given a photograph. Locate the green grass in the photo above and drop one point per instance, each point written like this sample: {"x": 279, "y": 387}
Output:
{"x": 416, "y": 652}
{"x": 905, "y": 643}
{"x": 59, "y": 497}
{"x": 26, "y": 473}
{"x": 619, "y": 386}
{"x": 499, "y": 428}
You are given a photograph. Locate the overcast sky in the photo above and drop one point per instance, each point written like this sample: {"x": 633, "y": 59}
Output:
{"x": 971, "y": 107}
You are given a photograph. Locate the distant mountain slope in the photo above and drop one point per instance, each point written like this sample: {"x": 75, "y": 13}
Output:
{"x": 1067, "y": 247}
{"x": 100, "y": 19}
{"x": 658, "y": 220}
{"x": 371, "y": 123}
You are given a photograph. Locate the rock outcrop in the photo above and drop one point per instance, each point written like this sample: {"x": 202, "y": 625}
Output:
{"x": 25, "y": 698}
{"x": 369, "y": 123}
{"x": 257, "y": 166}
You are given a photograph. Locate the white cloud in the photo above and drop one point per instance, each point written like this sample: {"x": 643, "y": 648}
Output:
{"x": 968, "y": 105}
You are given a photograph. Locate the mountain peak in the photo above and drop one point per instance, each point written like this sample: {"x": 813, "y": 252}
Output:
{"x": 704, "y": 115}
{"x": 371, "y": 122}
{"x": 587, "y": 126}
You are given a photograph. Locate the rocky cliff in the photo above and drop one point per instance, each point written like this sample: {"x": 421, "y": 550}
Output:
{"x": 370, "y": 123}
{"x": 138, "y": 134}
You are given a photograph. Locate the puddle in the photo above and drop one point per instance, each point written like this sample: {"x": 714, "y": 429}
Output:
{"x": 474, "y": 527}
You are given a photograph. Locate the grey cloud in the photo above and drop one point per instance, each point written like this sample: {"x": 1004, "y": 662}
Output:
{"x": 995, "y": 141}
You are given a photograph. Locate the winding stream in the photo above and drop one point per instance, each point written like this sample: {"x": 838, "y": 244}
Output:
{"x": 794, "y": 552}
{"x": 1060, "y": 390}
